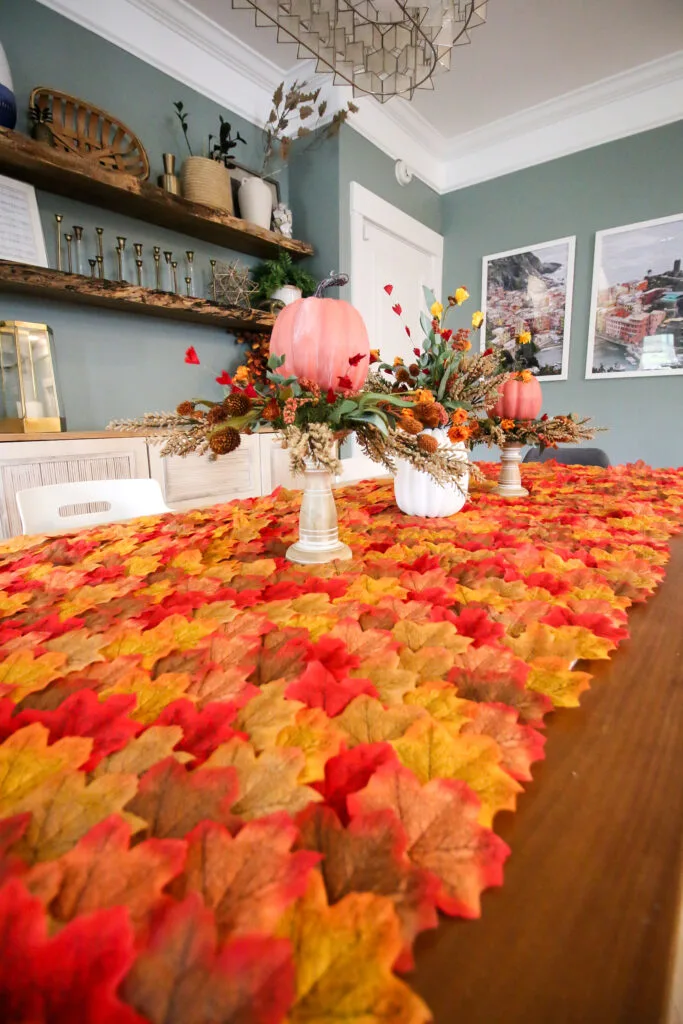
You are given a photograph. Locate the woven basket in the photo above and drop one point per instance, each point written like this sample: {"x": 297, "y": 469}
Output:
{"x": 206, "y": 181}
{"x": 80, "y": 128}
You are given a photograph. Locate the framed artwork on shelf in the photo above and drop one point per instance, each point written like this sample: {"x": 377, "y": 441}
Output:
{"x": 636, "y": 318}
{"x": 530, "y": 290}
{"x": 237, "y": 173}
{"x": 21, "y": 232}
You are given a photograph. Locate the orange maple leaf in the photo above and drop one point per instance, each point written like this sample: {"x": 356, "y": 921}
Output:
{"x": 21, "y": 673}
{"x": 172, "y": 801}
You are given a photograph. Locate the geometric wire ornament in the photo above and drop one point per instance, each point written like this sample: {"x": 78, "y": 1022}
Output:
{"x": 382, "y": 48}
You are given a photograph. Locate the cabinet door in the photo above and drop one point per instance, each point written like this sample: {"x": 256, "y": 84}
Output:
{"x": 196, "y": 481}
{"x": 25, "y": 464}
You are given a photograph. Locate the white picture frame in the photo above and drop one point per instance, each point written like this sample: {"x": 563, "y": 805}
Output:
{"x": 551, "y": 316}
{"x": 630, "y": 284}
{"x": 21, "y": 232}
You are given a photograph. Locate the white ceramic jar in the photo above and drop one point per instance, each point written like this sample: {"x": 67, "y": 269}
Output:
{"x": 256, "y": 202}
{"x": 418, "y": 494}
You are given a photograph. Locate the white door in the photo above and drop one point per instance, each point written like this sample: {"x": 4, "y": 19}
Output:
{"x": 389, "y": 247}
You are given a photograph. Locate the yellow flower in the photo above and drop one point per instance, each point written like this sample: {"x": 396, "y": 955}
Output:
{"x": 526, "y": 376}
{"x": 436, "y": 309}
{"x": 461, "y": 295}
{"x": 398, "y": 361}
{"x": 242, "y": 375}
{"x": 524, "y": 338}
{"x": 477, "y": 319}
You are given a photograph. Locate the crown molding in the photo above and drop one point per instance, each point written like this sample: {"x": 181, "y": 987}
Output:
{"x": 178, "y": 40}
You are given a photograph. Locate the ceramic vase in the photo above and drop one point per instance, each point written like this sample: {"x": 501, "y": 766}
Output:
{"x": 256, "y": 202}
{"x": 318, "y": 532}
{"x": 418, "y": 494}
{"x": 206, "y": 181}
{"x": 286, "y": 295}
{"x": 510, "y": 479}
{"x": 8, "y": 103}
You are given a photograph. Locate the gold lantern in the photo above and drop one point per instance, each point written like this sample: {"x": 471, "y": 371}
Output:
{"x": 28, "y": 390}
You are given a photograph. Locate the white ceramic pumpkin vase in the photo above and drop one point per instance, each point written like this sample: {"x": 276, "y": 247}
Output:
{"x": 256, "y": 202}
{"x": 418, "y": 494}
{"x": 287, "y": 294}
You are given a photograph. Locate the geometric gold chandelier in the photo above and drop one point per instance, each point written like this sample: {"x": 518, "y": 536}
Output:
{"x": 382, "y": 48}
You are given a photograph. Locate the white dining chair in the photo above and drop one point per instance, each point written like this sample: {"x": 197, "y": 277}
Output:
{"x": 61, "y": 508}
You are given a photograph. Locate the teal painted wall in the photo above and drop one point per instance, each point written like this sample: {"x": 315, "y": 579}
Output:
{"x": 633, "y": 179}
{"x": 111, "y": 364}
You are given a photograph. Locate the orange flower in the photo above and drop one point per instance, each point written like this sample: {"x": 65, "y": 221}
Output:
{"x": 507, "y": 424}
{"x": 526, "y": 376}
{"x": 457, "y": 433}
{"x": 242, "y": 375}
{"x": 398, "y": 361}
{"x": 374, "y": 355}
{"x": 271, "y": 411}
{"x": 459, "y": 417}
{"x": 407, "y": 412}
{"x": 463, "y": 345}
{"x": 425, "y": 396}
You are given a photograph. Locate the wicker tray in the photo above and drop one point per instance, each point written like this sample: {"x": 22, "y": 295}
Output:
{"x": 80, "y": 128}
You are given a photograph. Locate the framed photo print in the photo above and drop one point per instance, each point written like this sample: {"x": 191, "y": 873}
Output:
{"x": 636, "y": 319}
{"x": 529, "y": 290}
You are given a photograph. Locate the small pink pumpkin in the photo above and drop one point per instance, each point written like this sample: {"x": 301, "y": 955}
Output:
{"x": 518, "y": 400}
{"x": 319, "y": 336}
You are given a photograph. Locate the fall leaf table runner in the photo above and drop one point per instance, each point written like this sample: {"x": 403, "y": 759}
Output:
{"x": 236, "y": 790}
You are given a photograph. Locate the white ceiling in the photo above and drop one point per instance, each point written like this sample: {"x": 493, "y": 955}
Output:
{"x": 528, "y": 52}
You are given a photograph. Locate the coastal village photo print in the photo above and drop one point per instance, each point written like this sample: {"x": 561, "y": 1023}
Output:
{"x": 529, "y": 291}
{"x": 636, "y": 323}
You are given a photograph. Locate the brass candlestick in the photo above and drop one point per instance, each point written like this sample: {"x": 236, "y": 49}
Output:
{"x": 93, "y": 265}
{"x": 213, "y": 277}
{"x": 69, "y": 261}
{"x": 100, "y": 247}
{"x": 157, "y": 266}
{"x": 138, "y": 264}
{"x": 59, "y": 217}
{"x": 174, "y": 270}
{"x": 137, "y": 246}
{"x": 119, "y": 259}
{"x": 78, "y": 235}
{"x": 168, "y": 256}
{"x": 100, "y": 267}
{"x": 122, "y": 246}
{"x": 189, "y": 256}
{"x": 188, "y": 286}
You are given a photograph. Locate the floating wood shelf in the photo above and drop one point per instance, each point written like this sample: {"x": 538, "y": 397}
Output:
{"x": 127, "y": 298}
{"x": 72, "y": 176}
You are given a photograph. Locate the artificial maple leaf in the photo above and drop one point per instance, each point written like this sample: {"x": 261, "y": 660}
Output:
{"x": 429, "y": 663}
{"x": 11, "y": 831}
{"x": 151, "y": 695}
{"x": 172, "y": 800}
{"x": 519, "y": 745}
{"x": 444, "y": 837}
{"x": 247, "y": 881}
{"x": 390, "y": 680}
{"x": 364, "y": 720}
{"x": 22, "y": 673}
{"x": 343, "y": 956}
{"x": 138, "y": 756}
{"x": 203, "y": 730}
{"x": 369, "y": 856}
{"x": 267, "y": 783}
{"x": 370, "y": 591}
{"x": 319, "y": 688}
{"x": 567, "y": 642}
{"x": 71, "y": 977}
{"x": 180, "y": 979}
{"x": 80, "y": 647}
{"x": 350, "y": 771}
{"x": 174, "y": 633}
{"x": 316, "y": 736}
{"x": 362, "y": 643}
{"x": 443, "y": 704}
{"x": 551, "y": 677}
{"x": 101, "y": 871}
{"x": 495, "y": 675}
{"x": 430, "y": 751}
{"x": 416, "y": 635}
{"x": 26, "y": 762}
{"x": 82, "y": 714}
{"x": 267, "y": 714}
{"x": 281, "y": 654}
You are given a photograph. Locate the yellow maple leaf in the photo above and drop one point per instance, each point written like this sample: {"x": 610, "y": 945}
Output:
{"x": 391, "y": 681}
{"x": 430, "y": 751}
{"x": 343, "y": 957}
{"x": 316, "y": 736}
{"x": 141, "y": 753}
{"x": 371, "y": 591}
{"x": 429, "y": 663}
{"x": 152, "y": 694}
{"x": 364, "y": 720}
{"x": 552, "y": 677}
{"x": 567, "y": 642}
{"x": 10, "y": 604}
{"x": 142, "y": 565}
{"x": 26, "y": 761}
{"x": 444, "y": 705}
{"x": 80, "y": 647}
{"x": 90, "y": 597}
{"x": 173, "y": 633}
{"x": 266, "y": 715}
{"x": 430, "y": 634}
{"x": 190, "y": 561}
{"x": 27, "y": 674}
{"x": 268, "y": 782}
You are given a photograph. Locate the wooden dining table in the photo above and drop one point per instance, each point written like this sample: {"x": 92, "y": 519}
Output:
{"x": 585, "y": 929}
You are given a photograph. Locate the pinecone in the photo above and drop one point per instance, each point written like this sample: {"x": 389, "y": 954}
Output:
{"x": 427, "y": 444}
{"x": 236, "y": 405}
{"x": 410, "y": 425}
{"x": 225, "y": 442}
{"x": 185, "y": 409}
{"x": 413, "y": 369}
{"x": 216, "y": 415}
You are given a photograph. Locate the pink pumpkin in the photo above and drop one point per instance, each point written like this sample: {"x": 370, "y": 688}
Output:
{"x": 518, "y": 400}
{"x": 319, "y": 336}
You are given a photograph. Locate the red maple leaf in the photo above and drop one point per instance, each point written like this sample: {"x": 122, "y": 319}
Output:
{"x": 319, "y": 688}
{"x": 354, "y": 360}
{"x": 388, "y": 288}
{"x": 475, "y": 622}
{"x": 333, "y": 655}
{"x": 173, "y": 800}
{"x": 224, "y": 379}
{"x": 345, "y": 383}
{"x": 191, "y": 356}
{"x": 203, "y": 730}
{"x": 11, "y": 831}
{"x": 251, "y": 979}
{"x": 350, "y": 771}
{"x": 71, "y": 977}
{"x": 397, "y": 309}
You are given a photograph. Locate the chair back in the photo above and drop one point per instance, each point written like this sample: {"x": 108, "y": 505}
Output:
{"x": 61, "y": 508}
{"x": 570, "y": 456}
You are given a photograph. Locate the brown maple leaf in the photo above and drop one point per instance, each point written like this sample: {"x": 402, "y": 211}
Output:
{"x": 172, "y": 801}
